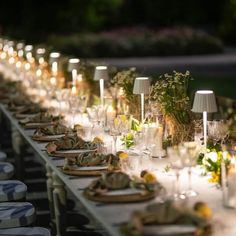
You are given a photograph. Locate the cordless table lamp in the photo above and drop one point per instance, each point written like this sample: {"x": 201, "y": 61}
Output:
{"x": 100, "y": 75}
{"x": 204, "y": 102}
{"x": 141, "y": 86}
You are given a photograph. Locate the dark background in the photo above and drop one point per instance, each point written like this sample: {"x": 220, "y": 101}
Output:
{"x": 34, "y": 20}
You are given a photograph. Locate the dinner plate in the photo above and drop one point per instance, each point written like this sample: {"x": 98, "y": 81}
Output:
{"x": 36, "y": 125}
{"x": 23, "y": 116}
{"x": 69, "y": 153}
{"x": 47, "y": 138}
{"x": 85, "y": 170}
{"x": 123, "y": 192}
{"x": 162, "y": 230}
{"x": 120, "y": 196}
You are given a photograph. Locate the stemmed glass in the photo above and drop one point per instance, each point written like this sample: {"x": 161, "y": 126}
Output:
{"x": 177, "y": 165}
{"x": 74, "y": 103}
{"x": 114, "y": 131}
{"x": 217, "y": 130}
{"x": 189, "y": 152}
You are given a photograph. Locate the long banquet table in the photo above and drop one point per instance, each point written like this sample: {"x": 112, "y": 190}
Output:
{"x": 110, "y": 216}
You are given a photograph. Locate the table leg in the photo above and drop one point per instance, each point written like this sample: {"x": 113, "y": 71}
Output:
{"x": 18, "y": 147}
{"x": 59, "y": 201}
{"x": 50, "y": 196}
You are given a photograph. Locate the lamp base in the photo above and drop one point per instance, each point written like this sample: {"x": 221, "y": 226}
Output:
{"x": 158, "y": 153}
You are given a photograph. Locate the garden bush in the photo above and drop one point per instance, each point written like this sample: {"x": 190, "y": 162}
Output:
{"x": 131, "y": 42}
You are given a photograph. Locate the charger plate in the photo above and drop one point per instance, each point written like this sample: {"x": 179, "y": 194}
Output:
{"x": 47, "y": 138}
{"x": 85, "y": 171}
{"x": 120, "y": 196}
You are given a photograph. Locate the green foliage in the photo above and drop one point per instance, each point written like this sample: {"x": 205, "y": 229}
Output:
{"x": 125, "y": 79}
{"x": 128, "y": 140}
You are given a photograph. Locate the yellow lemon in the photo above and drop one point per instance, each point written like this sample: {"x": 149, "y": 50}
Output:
{"x": 78, "y": 126}
{"x": 97, "y": 140}
{"x": 203, "y": 210}
{"x": 149, "y": 177}
{"x": 123, "y": 155}
{"x": 123, "y": 118}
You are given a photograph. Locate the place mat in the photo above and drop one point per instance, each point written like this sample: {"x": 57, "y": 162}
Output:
{"x": 47, "y": 138}
{"x": 84, "y": 171}
{"x": 121, "y": 196}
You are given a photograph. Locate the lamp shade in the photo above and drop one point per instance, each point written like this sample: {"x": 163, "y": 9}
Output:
{"x": 40, "y": 51}
{"x": 204, "y": 100}
{"x": 53, "y": 57}
{"x": 141, "y": 85}
{"x": 20, "y": 46}
{"x": 28, "y": 48}
{"x": 73, "y": 64}
{"x": 101, "y": 73}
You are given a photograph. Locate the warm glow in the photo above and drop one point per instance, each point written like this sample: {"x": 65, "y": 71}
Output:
{"x": 54, "y": 68}
{"x": 101, "y": 67}
{"x": 29, "y": 55}
{"x": 38, "y": 72}
{"x": 18, "y": 64}
{"x": 73, "y": 91}
{"x": 20, "y": 53}
{"x": 79, "y": 78}
{"x": 27, "y": 66}
{"x": 74, "y": 60}
{"x": 11, "y": 60}
{"x": 10, "y": 51}
{"x": 40, "y": 51}
{"x": 142, "y": 78}
{"x": 204, "y": 91}
{"x": 41, "y": 60}
{"x": 53, "y": 81}
{"x": 28, "y": 48}
{"x": 54, "y": 54}
{"x": 3, "y": 55}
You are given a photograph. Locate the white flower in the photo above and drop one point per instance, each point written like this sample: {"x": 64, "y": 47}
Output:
{"x": 213, "y": 156}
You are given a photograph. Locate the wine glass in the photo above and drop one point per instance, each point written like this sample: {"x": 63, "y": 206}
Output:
{"x": 177, "y": 165}
{"x": 217, "y": 130}
{"x": 114, "y": 131}
{"x": 189, "y": 152}
{"x": 74, "y": 103}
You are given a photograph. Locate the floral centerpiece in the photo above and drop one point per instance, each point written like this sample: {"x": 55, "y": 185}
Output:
{"x": 170, "y": 93}
{"x": 124, "y": 81}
